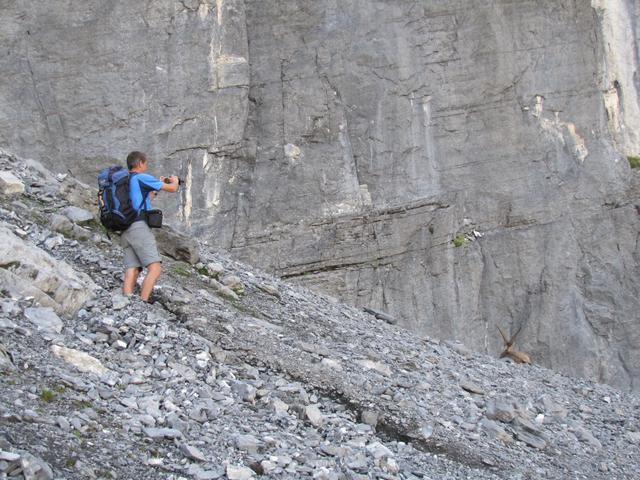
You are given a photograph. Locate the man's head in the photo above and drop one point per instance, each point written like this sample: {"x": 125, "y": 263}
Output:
{"x": 137, "y": 161}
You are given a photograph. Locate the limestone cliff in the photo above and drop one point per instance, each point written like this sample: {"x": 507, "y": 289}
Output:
{"x": 347, "y": 144}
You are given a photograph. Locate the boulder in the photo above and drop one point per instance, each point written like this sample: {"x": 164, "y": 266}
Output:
{"x": 314, "y": 415}
{"x": 79, "y": 194}
{"x": 61, "y": 224}
{"x": 45, "y": 319}
{"x": 6, "y": 362}
{"x": 376, "y": 366}
{"x": 501, "y": 410}
{"x": 34, "y": 468}
{"x": 234, "y": 283}
{"x": 78, "y": 215}
{"x": 235, "y": 472}
{"x": 381, "y": 316}
{"x": 192, "y": 453}
{"x": 177, "y": 245}
{"x": 27, "y": 270}
{"x": 10, "y": 184}
{"x": 81, "y": 360}
{"x": 214, "y": 269}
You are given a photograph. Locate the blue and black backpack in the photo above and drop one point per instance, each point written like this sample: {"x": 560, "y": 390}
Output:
{"x": 116, "y": 211}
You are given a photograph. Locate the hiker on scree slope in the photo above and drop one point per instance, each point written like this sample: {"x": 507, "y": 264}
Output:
{"x": 138, "y": 242}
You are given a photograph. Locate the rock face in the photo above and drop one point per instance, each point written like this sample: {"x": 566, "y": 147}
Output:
{"x": 459, "y": 165}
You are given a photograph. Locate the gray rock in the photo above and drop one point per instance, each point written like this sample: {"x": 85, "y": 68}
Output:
{"x": 6, "y": 360}
{"x": 10, "y": 184}
{"x": 426, "y": 431}
{"x": 36, "y": 273}
{"x": 267, "y": 466}
{"x": 6, "y": 324}
{"x": 358, "y": 462}
{"x": 370, "y": 418}
{"x": 376, "y": 366}
{"x": 378, "y": 450}
{"x": 199, "y": 473}
{"x": 9, "y": 307}
{"x": 527, "y": 425}
{"x": 389, "y": 465}
{"x": 314, "y": 415}
{"x": 270, "y": 290}
{"x": 471, "y": 387}
{"x": 80, "y": 233}
{"x": 177, "y": 245}
{"x": 633, "y": 437}
{"x": 119, "y": 301}
{"x": 78, "y": 193}
{"x": 34, "y": 468}
{"x": 587, "y": 437}
{"x": 495, "y": 430}
{"x": 279, "y": 406}
{"x": 80, "y": 360}
{"x": 45, "y": 319}
{"x": 381, "y": 316}
{"x": 9, "y": 456}
{"x": 63, "y": 423}
{"x": 245, "y": 391}
{"x": 553, "y": 411}
{"x": 214, "y": 269}
{"x": 146, "y": 419}
{"x": 248, "y": 443}
{"x": 234, "y": 283}
{"x": 499, "y": 409}
{"x": 531, "y": 439}
{"x": 53, "y": 242}
{"x": 239, "y": 473}
{"x": 78, "y": 215}
{"x": 76, "y": 423}
{"x": 61, "y": 224}
{"x": 192, "y": 452}
{"x": 225, "y": 291}
{"x": 331, "y": 364}
{"x": 161, "y": 433}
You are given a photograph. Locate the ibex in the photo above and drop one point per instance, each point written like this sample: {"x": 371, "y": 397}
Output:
{"x": 518, "y": 357}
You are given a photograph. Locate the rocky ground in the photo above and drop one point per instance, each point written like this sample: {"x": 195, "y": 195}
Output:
{"x": 236, "y": 374}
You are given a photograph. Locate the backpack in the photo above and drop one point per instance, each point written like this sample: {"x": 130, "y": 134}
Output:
{"x": 116, "y": 211}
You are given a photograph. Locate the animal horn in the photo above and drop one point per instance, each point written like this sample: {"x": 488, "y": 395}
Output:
{"x": 503, "y": 336}
{"x": 513, "y": 338}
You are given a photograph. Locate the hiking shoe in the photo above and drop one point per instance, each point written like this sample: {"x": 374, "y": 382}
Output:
{"x": 153, "y": 298}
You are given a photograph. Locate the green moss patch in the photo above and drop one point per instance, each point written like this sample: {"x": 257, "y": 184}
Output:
{"x": 634, "y": 162}
{"x": 460, "y": 240}
{"x": 181, "y": 269}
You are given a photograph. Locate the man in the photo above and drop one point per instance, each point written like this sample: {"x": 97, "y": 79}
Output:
{"x": 139, "y": 244}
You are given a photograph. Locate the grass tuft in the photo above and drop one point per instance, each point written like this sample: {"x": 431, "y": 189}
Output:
{"x": 460, "y": 240}
{"x": 634, "y": 162}
{"x": 181, "y": 269}
{"x": 47, "y": 395}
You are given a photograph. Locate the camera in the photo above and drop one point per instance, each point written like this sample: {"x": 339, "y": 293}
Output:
{"x": 168, "y": 180}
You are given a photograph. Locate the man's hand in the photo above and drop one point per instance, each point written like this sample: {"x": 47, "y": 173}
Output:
{"x": 173, "y": 184}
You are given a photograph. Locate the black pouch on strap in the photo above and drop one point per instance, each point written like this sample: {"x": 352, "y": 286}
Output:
{"x": 154, "y": 218}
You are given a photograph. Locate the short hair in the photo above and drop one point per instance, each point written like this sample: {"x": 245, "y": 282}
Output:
{"x": 135, "y": 158}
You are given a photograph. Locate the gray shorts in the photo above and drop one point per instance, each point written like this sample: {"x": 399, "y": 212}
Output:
{"x": 139, "y": 246}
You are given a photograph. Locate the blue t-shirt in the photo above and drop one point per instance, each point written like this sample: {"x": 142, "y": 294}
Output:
{"x": 140, "y": 186}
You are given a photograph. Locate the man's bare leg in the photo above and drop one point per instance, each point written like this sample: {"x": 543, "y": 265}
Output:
{"x": 130, "y": 278}
{"x": 153, "y": 272}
